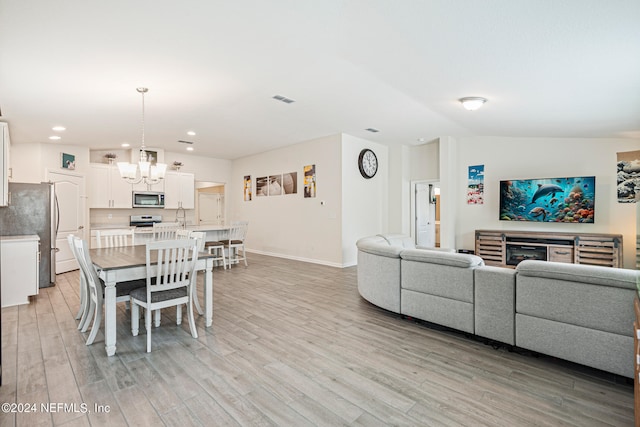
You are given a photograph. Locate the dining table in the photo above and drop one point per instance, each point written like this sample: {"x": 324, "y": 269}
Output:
{"x": 121, "y": 264}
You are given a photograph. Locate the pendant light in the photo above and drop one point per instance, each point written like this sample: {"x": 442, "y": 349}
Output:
{"x": 149, "y": 174}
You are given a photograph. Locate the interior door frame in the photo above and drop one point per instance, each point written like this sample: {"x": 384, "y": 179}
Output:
{"x": 413, "y": 210}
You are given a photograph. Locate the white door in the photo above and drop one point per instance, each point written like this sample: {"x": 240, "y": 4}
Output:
{"x": 425, "y": 210}
{"x": 208, "y": 209}
{"x": 70, "y": 192}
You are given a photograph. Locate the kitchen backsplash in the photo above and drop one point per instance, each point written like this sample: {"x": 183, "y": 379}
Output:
{"x": 121, "y": 217}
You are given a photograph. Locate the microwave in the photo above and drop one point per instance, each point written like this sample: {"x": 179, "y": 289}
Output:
{"x": 148, "y": 199}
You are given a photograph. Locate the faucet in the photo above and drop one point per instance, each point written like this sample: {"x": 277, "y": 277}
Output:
{"x": 181, "y": 217}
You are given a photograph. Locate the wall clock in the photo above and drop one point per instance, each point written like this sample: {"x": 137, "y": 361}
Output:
{"x": 367, "y": 163}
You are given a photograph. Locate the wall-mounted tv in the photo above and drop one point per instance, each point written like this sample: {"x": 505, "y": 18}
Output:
{"x": 548, "y": 200}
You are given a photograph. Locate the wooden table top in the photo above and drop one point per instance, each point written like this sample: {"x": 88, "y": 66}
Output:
{"x": 125, "y": 257}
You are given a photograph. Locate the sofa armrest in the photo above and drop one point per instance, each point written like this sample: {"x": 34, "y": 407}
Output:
{"x": 431, "y": 248}
{"x": 591, "y": 274}
{"x": 381, "y": 249}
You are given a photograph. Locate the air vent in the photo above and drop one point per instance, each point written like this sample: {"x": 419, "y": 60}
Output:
{"x": 284, "y": 99}
{"x": 185, "y": 142}
{"x": 374, "y": 130}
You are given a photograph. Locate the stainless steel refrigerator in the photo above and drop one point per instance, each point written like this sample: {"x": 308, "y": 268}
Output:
{"x": 33, "y": 209}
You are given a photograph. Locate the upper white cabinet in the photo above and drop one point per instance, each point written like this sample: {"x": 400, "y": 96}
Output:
{"x": 141, "y": 186}
{"x": 107, "y": 189}
{"x": 4, "y": 164}
{"x": 179, "y": 190}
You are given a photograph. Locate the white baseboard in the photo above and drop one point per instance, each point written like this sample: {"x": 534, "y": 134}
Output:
{"x": 295, "y": 258}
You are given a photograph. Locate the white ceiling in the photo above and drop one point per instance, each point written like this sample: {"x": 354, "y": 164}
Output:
{"x": 549, "y": 68}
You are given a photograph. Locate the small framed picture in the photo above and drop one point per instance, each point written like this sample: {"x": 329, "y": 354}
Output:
{"x": 68, "y": 161}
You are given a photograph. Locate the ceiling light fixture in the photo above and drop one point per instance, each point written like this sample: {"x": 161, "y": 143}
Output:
{"x": 191, "y": 133}
{"x": 59, "y": 128}
{"x": 472, "y": 103}
{"x": 149, "y": 174}
{"x": 55, "y": 137}
{"x": 284, "y": 99}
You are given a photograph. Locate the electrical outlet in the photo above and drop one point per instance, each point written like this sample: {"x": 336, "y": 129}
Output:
{"x": 110, "y": 216}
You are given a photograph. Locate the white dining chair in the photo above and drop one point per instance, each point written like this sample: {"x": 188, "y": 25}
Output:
{"x": 235, "y": 242}
{"x": 183, "y": 234}
{"x": 165, "y": 230}
{"x": 199, "y": 237}
{"x": 83, "y": 310}
{"x": 112, "y": 238}
{"x": 96, "y": 288}
{"x": 170, "y": 282}
{"x": 217, "y": 250}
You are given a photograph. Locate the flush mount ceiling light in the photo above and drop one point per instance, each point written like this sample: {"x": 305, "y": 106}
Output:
{"x": 472, "y": 103}
{"x": 284, "y": 99}
{"x": 149, "y": 174}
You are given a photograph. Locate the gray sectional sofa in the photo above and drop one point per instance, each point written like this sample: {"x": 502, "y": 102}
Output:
{"x": 579, "y": 313}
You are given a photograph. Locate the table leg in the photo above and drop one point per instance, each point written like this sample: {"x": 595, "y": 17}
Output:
{"x": 109, "y": 315}
{"x": 208, "y": 293}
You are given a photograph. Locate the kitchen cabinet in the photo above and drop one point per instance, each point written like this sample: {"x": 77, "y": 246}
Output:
{"x": 179, "y": 190}
{"x": 4, "y": 164}
{"x": 19, "y": 277}
{"x": 141, "y": 186}
{"x": 107, "y": 189}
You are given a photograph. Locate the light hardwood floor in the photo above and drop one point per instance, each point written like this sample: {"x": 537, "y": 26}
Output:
{"x": 292, "y": 344}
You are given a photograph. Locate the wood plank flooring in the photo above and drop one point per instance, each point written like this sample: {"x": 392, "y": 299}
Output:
{"x": 292, "y": 344}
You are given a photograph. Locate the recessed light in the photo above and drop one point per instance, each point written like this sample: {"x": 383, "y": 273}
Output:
{"x": 191, "y": 133}
{"x": 373, "y": 130}
{"x": 59, "y": 128}
{"x": 189, "y": 148}
{"x": 125, "y": 144}
{"x": 54, "y": 137}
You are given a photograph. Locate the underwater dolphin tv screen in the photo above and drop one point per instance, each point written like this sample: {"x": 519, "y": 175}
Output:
{"x": 548, "y": 200}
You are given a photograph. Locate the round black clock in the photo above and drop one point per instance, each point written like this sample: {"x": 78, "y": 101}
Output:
{"x": 367, "y": 163}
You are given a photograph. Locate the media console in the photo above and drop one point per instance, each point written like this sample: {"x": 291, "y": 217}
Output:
{"x": 508, "y": 248}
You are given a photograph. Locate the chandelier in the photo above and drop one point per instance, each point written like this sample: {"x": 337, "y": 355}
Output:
{"x": 149, "y": 174}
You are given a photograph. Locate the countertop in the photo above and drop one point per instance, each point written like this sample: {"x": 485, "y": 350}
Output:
{"x": 25, "y": 238}
{"x": 150, "y": 229}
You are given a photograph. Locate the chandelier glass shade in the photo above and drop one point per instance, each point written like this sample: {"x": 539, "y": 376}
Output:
{"x": 149, "y": 174}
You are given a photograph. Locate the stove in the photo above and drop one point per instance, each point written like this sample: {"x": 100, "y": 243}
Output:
{"x": 144, "y": 220}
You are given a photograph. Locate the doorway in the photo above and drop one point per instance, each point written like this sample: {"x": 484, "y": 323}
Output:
{"x": 211, "y": 203}
{"x": 70, "y": 193}
{"x": 426, "y": 213}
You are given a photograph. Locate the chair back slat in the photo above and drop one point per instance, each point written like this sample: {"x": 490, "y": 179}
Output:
{"x": 183, "y": 234}
{"x": 200, "y": 237}
{"x": 115, "y": 238}
{"x": 238, "y": 230}
{"x": 89, "y": 271}
{"x": 165, "y": 230}
{"x": 175, "y": 264}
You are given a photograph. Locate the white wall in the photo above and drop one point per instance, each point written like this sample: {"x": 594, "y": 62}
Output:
{"x": 292, "y": 226}
{"x": 29, "y": 162}
{"x": 519, "y": 158}
{"x": 365, "y": 202}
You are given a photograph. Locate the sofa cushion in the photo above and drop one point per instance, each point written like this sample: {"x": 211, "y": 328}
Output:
{"x": 604, "y": 308}
{"x": 602, "y": 276}
{"x": 440, "y": 257}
